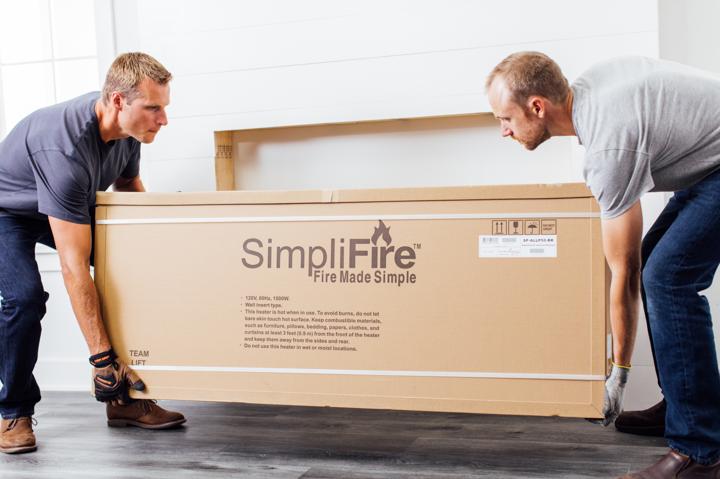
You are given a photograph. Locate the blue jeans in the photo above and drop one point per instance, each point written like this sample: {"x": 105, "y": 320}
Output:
{"x": 22, "y": 306}
{"x": 681, "y": 253}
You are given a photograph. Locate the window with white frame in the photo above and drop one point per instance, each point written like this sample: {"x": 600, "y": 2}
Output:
{"x": 48, "y": 54}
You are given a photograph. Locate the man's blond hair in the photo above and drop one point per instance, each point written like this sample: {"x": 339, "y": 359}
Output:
{"x": 128, "y": 71}
{"x": 531, "y": 73}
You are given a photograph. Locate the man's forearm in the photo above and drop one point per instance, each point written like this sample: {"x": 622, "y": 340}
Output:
{"x": 624, "y": 303}
{"x": 86, "y": 306}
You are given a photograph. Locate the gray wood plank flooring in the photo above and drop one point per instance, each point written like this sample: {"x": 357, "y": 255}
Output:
{"x": 289, "y": 442}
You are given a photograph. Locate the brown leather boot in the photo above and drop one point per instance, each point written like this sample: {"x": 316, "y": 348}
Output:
{"x": 649, "y": 422}
{"x": 698, "y": 471}
{"x": 143, "y": 413}
{"x": 674, "y": 465}
{"x": 16, "y": 435}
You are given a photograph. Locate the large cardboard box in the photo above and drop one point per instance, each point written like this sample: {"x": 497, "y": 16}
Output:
{"x": 469, "y": 299}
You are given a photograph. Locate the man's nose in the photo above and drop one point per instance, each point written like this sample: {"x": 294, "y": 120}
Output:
{"x": 505, "y": 132}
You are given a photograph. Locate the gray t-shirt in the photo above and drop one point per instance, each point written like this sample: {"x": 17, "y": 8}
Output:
{"x": 647, "y": 125}
{"x": 53, "y": 162}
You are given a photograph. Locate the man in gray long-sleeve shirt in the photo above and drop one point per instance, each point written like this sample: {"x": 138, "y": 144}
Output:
{"x": 51, "y": 165}
{"x": 646, "y": 125}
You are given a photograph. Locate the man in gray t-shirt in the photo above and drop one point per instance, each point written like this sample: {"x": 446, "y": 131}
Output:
{"x": 646, "y": 125}
{"x": 51, "y": 165}
{"x": 47, "y": 171}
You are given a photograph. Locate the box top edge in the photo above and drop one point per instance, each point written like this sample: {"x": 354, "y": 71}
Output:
{"x": 452, "y": 193}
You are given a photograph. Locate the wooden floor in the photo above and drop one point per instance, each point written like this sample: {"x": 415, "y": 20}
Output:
{"x": 253, "y": 442}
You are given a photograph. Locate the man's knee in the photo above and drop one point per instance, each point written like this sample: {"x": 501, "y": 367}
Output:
{"x": 659, "y": 274}
{"x": 24, "y": 298}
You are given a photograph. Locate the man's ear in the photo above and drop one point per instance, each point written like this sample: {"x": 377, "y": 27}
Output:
{"x": 536, "y": 105}
{"x": 117, "y": 99}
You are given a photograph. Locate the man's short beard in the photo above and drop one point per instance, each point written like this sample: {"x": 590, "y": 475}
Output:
{"x": 537, "y": 141}
{"x": 537, "y": 133}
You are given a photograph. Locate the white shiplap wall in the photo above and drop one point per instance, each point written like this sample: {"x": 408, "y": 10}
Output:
{"x": 257, "y": 64}
{"x": 261, "y": 64}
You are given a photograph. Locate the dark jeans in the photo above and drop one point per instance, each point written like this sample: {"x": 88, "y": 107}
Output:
{"x": 22, "y": 306}
{"x": 681, "y": 253}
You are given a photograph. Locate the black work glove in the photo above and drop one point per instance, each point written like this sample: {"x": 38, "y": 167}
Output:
{"x": 112, "y": 377}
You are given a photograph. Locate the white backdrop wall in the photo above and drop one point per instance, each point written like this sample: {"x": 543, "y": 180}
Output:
{"x": 252, "y": 64}
{"x": 260, "y": 64}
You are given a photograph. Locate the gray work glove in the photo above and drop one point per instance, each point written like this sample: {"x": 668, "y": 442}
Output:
{"x": 614, "y": 390}
{"x": 112, "y": 378}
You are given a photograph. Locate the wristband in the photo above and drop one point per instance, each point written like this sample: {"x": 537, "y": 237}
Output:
{"x": 616, "y": 365}
{"x": 104, "y": 359}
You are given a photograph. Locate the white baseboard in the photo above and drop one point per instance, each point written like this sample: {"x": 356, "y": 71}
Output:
{"x": 63, "y": 374}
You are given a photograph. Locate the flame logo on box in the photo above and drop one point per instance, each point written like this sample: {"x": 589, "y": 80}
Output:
{"x": 383, "y": 231}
